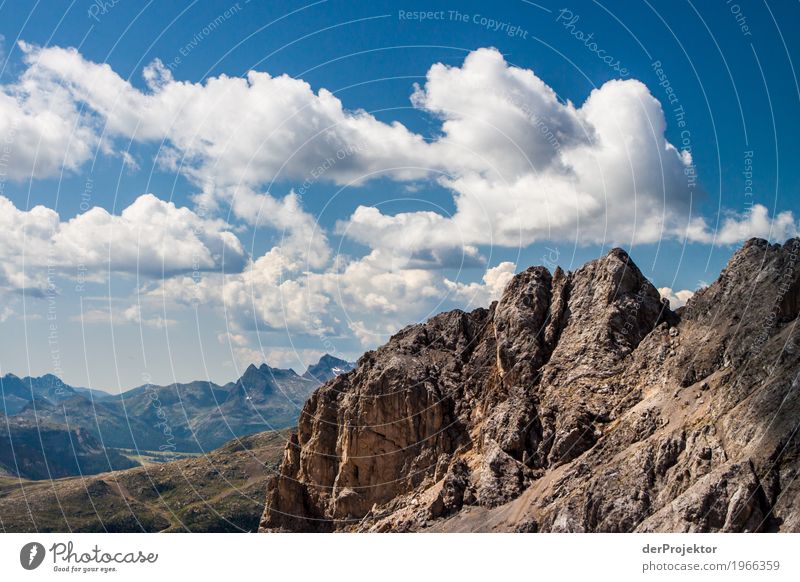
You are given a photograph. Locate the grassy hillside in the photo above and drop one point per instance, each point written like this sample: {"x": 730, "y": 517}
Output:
{"x": 221, "y": 491}
{"x": 44, "y": 450}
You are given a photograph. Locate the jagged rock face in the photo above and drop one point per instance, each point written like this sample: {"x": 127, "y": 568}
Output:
{"x": 578, "y": 402}
{"x": 381, "y": 430}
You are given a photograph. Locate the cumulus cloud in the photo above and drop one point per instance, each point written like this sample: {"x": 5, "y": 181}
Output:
{"x": 359, "y": 297}
{"x": 676, "y": 298}
{"x": 498, "y": 119}
{"x": 494, "y": 283}
{"x": 42, "y": 129}
{"x": 735, "y": 228}
{"x": 301, "y": 238}
{"x": 151, "y": 237}
{"x": 521, "y": 165}
{"x": 239, "y": 130}
{"x": 534, "y": 168}
{"x": 271, "y": 293}
{"x": 377, "y": 294}
{"x": 421, "y": 239}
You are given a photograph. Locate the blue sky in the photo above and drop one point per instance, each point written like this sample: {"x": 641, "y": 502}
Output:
{"x": 429, "y": 158}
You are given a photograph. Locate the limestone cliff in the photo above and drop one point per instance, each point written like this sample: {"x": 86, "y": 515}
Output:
{"x": 578, "y": 402}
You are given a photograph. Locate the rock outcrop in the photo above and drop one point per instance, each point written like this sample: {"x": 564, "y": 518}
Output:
{"x": 578, "y": 402}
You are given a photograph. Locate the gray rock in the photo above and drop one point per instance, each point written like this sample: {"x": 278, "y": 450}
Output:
{"x": 556, "y": 410}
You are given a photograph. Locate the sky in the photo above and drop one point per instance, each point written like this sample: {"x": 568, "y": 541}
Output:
{"x": 188, "y": 188}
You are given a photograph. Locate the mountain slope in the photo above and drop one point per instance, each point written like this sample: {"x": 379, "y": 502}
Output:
{"x": 220, "y": 491}
{"x": 49, "y": 451}
{"x": 578, "y": 402}
{"x": 264, "y": 398}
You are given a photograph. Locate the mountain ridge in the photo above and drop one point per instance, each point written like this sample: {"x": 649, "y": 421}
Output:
{"x": 179, "y": 418}
{"x": 51, "y": 379}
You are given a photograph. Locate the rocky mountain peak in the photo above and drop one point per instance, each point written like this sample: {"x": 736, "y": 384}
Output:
{"x": 277, "y": 373}
{"x": 330, "y": 360}
{"x": 577, "y": 402}
{"x": 327, "y": 367}
{"x": 255, "y": 385}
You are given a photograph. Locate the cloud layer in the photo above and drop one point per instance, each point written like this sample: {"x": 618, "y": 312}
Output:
{"x": 521, "y": 164}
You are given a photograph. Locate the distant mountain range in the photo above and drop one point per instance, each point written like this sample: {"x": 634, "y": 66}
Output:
{"x": 17, "y": 393}
{"x": 178, "y": 418}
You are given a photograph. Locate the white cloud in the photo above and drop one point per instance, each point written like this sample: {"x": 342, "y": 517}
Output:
{"x": 270, "y": 293}
{"x": 42, "y": 130}
{"x": 364, "y": 298}
{"x": 151, "y": 237}
{"x": 532, "y": 168}
{"x": 481, "y": 294}
{"x": 736, "y": 228}
{"x": 127, "y": 316}
{"x": 522, "y": 166}
{"x": 237, "y": 130}
{"x": 422, "y": 239}
{"x": 6, "y": 313}
{"x": 379, "y": 293}
{"x": 25, "y": 238}
{"x": 232, "y": 339}
{"x": 498, "y": 119}
{"x": 301, "y": 239}
{"x": 676, "y": 298}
